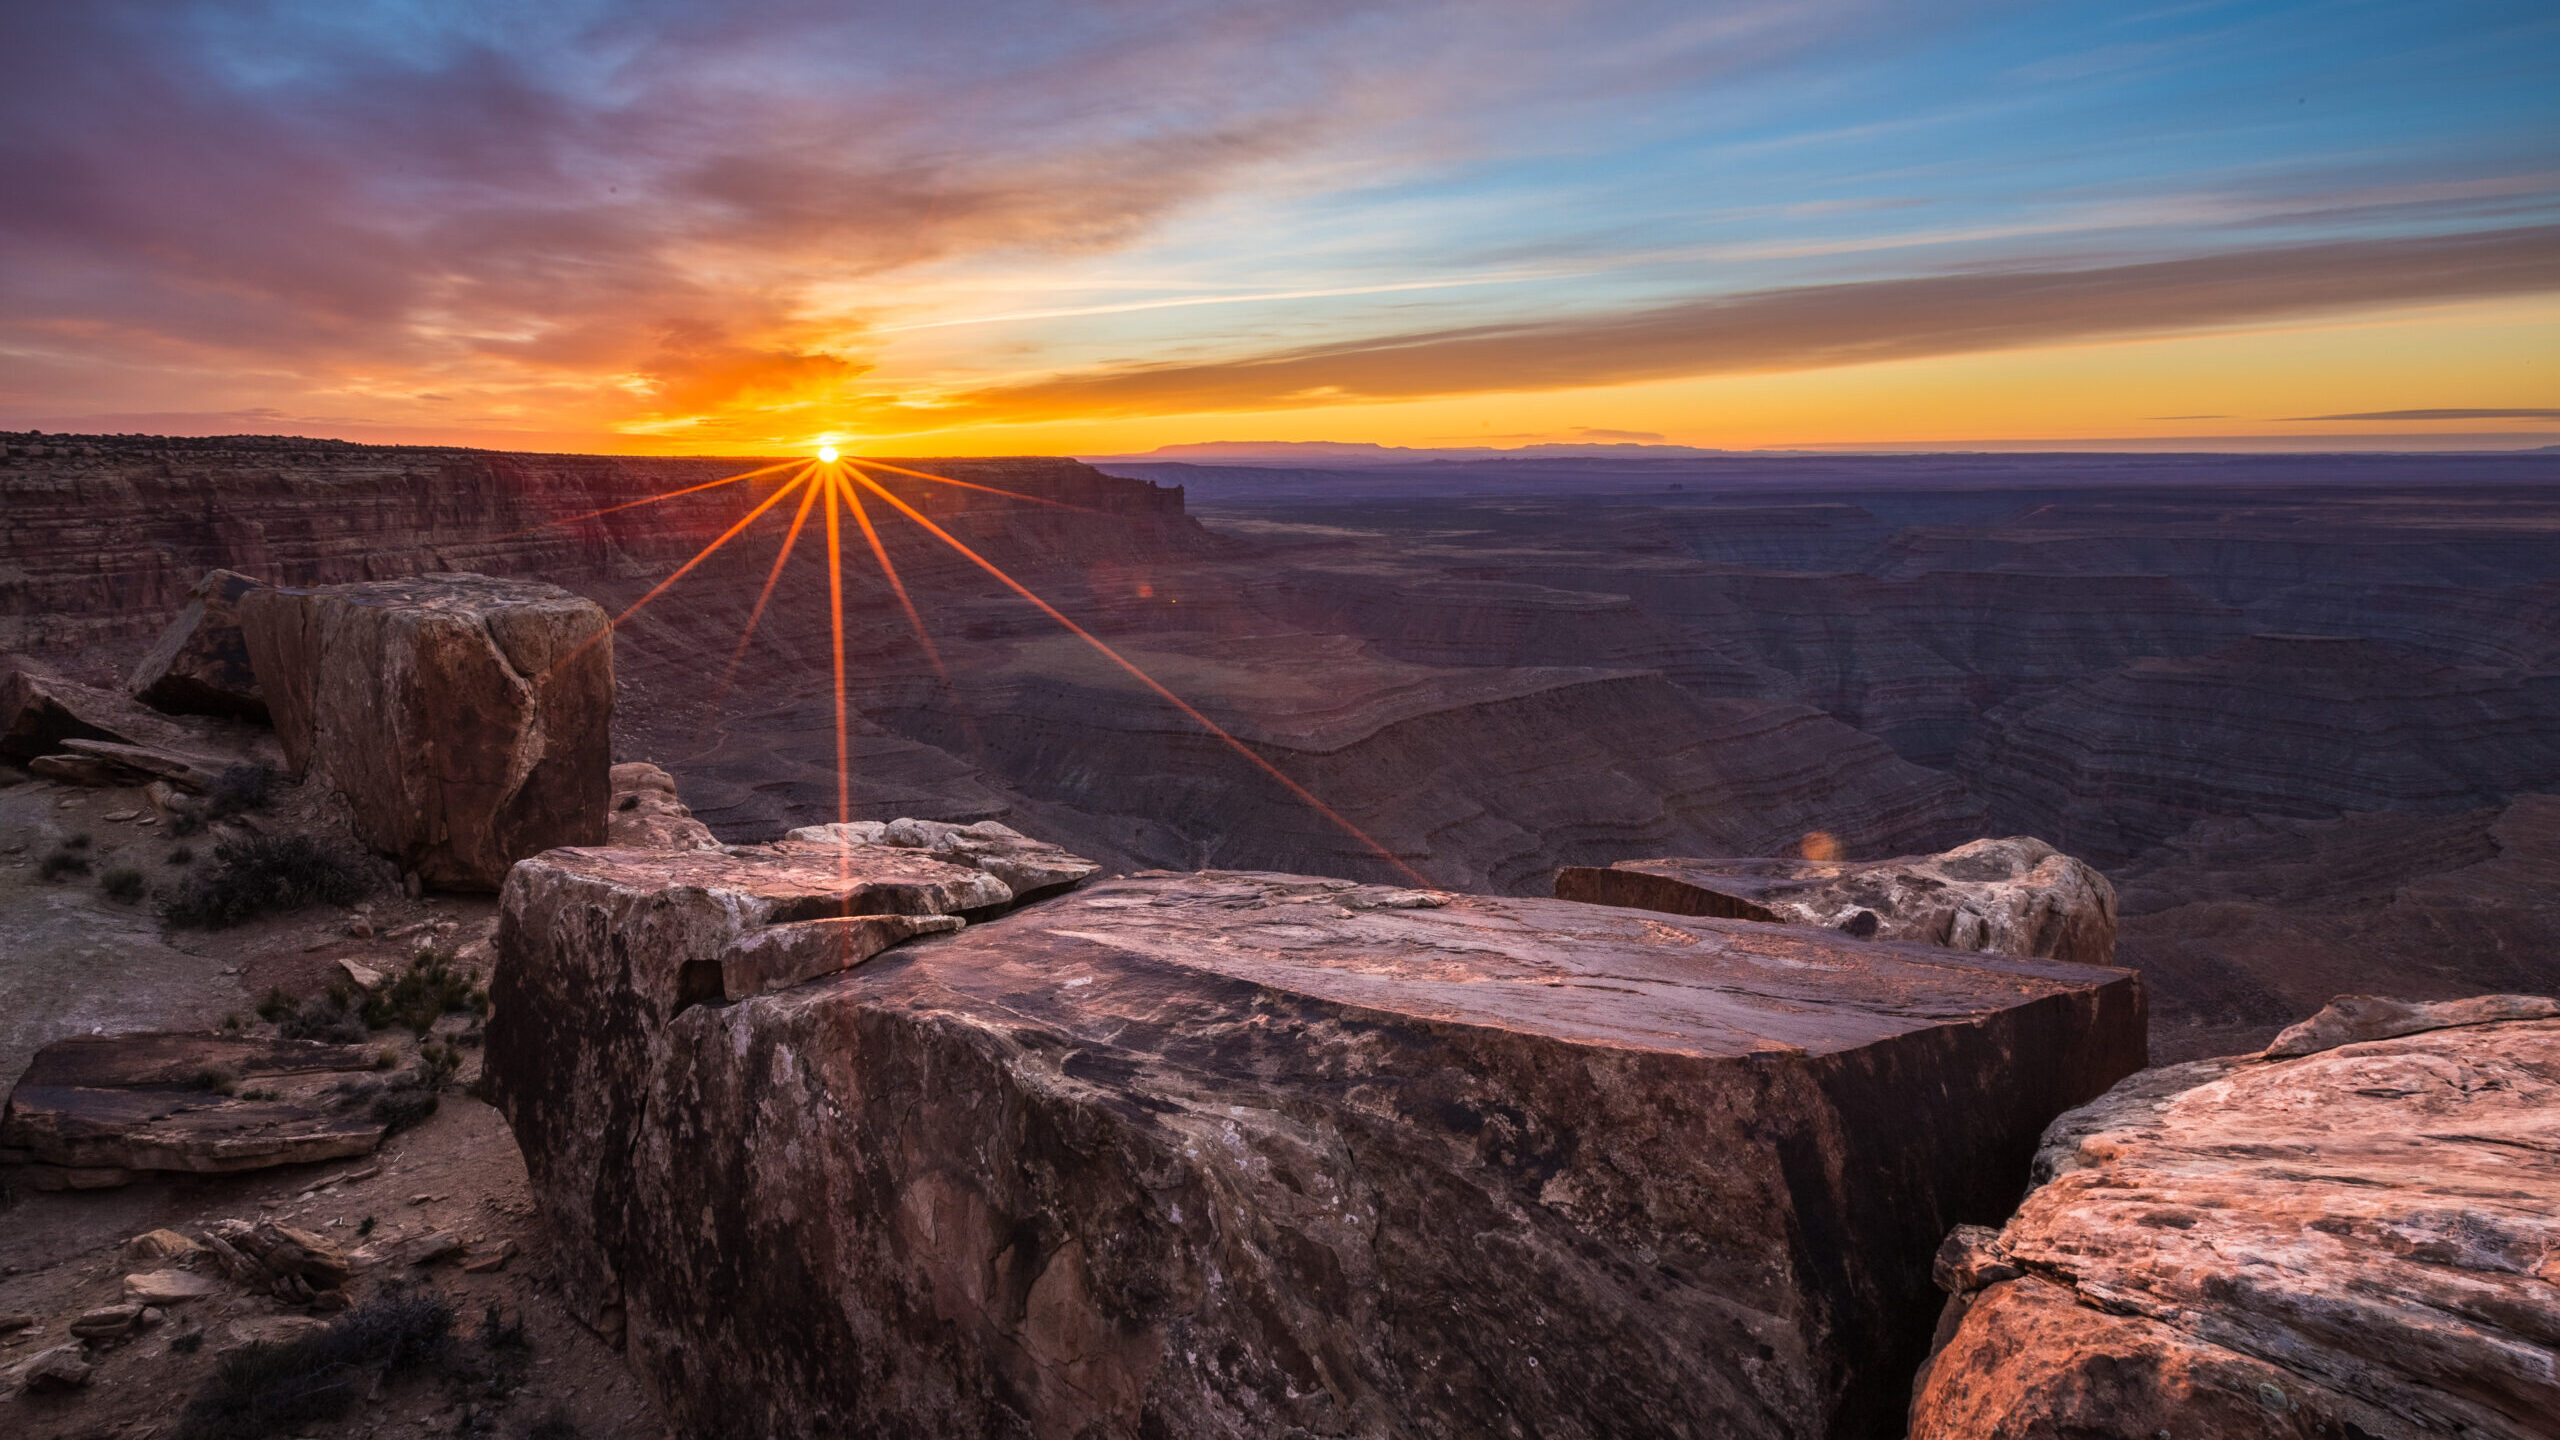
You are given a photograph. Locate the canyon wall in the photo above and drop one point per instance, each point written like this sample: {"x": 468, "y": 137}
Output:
{"x": 1495, "y": 670}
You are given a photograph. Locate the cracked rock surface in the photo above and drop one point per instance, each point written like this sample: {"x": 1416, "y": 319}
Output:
{"x": 2352, "y": 1237}
{"x": 466, "y": 719}
{"x": 1254, "y": 1154}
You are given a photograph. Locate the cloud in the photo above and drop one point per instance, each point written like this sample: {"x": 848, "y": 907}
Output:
{"x": 1809, "y": 327}
{"x": 2544, "y": 414}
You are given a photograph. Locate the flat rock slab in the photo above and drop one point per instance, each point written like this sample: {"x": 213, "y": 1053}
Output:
{"x": 1244, "y": 1154}
{"x": 96, "y": 1110}
{"x": 2360, "y": 1240}
{"x": 2017, "y": 896}
{"x": 466, "y": 719}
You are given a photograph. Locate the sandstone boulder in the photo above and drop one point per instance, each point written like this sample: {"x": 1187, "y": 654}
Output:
{"x": 1242, "y": 1154}
{"x": 1031, "y": 869}
{"x": 2017, "y": 896}
{"x": 646, "y": 814}
{"x": 201, "y": 664}
{"x": 93, "y": 1111}
{"x": 467, "y": 720}
{"x": 2359, "y": 1240}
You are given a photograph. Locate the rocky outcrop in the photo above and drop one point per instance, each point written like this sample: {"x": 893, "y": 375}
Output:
{"x": 41, "y": 711}
{"x": 95, "y": 1111}
{"x": 1252, "y": 1154}
{"x": 201, "y": 664}
{"x": 2017, "y": 896}
{"x": 1031, "y": 869}
{"x": 601, "y": 949}
{"x": 646, "y": 814}
{"x": 2347, "y": 1236}
{"x": 467, "y": 720}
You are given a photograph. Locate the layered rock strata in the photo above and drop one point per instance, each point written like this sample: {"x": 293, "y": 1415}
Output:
{"x": 1031, "y": 869}
{"x": 1253, "y": 1154}
{"x": 2352, "y": 1235}
{"x": 94, "y": 1111}
{"x": 467, "y": 720}
{"x": 2017, "y": 896}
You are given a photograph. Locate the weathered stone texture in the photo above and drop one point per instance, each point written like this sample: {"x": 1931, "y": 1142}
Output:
{"x": 1244, "y": 1154}
{"x": 2017, "y": 896}
{"x": 1031, "y": 869}
{"x": 646, "y": 814}
{"x": 466, "y": 720}
{"x": 2359, "y": 1238}
{"x": 92, "y": 1111}
{"x": 200, "y": 666}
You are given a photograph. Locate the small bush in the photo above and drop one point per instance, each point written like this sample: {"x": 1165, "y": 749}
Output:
{"x": 422, "y": 994}
{"x": 334, "y": 1016}
{"x": 182, "y": 855}
{"x": 186, "y": 1344}
{"x": 220, "y": 1079}
{"x": 63, "y": 861}
{"x": 264, "y": 875}
{"x": 76, "y": 842}
{"x": 277, "y": 1005}
{"x": 122, "y": 884}
{"x": 555, "y": 1426}
{"x": 240, "y": 788}
{"x": 269, "y": 1388}
{"x": 365, "y": 1226}
{"x": 399, "y": 1107}
{"x": 231, "y": 1020}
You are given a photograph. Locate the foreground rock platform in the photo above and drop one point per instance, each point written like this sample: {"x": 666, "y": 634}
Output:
{"x": 2016, "y": 896}
{"x": 2347, "y": 1236}
{"x": 1251, "y": 1154}
{"x": 467, "y": 720}
{"x": 96, "y": 1111}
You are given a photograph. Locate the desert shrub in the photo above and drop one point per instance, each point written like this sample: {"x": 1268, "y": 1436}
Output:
{"x": 259, "y": 876}
{"x": 240, "y": 788}
{"x": 123, "y": 883}
{"x": 76, "y": 842}
{"x": 64, "y": 860}
{"x": 220, "y": 1079}
{"x": 277, "y": 1005}
{"x": 412, "y": 1095}
{"x": 182, "y": 855}
{"x": 422, "y": 994}
{"x": 269, "y": 1388}
{"x": 334, "y": 1015}
{"x": 186, "y": 1344}
{"x": 555, "y": 1426}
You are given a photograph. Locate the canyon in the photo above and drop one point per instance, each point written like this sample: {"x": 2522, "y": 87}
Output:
{"x": 2295, "y": 705}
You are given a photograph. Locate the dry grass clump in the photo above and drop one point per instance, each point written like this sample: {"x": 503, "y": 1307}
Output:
{"x": 264, "y": 875}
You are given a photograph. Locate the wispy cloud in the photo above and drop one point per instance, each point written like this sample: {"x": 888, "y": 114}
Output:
{"x": 1821, "y": 325}
{"x": 2457, "y": 414}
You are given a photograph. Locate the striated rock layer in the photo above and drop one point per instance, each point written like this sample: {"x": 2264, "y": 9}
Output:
{"x": 2017, "y": 896}
{"x": 2352, "y": 1236}
{"x": 1255, "y": 1154}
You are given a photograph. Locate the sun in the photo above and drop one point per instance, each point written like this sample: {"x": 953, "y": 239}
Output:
{"x": 827, "y": 453}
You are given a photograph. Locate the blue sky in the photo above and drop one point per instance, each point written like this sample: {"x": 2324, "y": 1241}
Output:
{"x": 1011, "y": 226}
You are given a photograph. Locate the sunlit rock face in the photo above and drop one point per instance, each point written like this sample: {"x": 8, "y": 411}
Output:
{"x": 2015, "y": 896}
{"x": 466, "y": 719}
{"x": 1253, "y": 1154}
{"x": 2351, "y": 1235}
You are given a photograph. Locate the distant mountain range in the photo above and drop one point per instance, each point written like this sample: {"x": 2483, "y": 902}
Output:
{"x": 1339, "y": 453}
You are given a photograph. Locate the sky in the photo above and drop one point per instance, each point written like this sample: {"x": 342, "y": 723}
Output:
{"x": 995, "y": 227}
